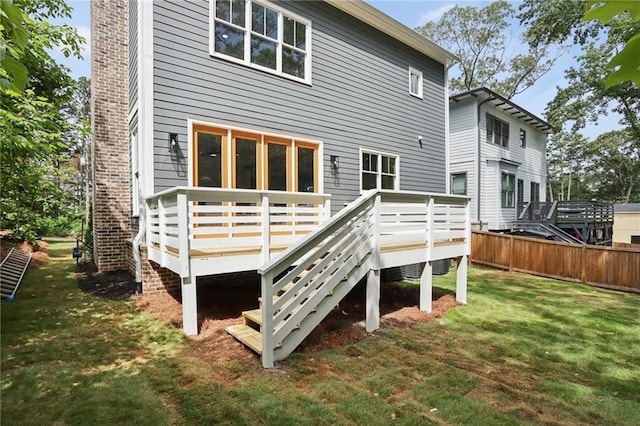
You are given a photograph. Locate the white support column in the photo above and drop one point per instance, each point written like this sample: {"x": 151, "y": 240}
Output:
{"x": 162, "y": 229}
{"x": 266, "y": 228}
{"x": 461, "y": 280}
{"x": 189, "y": 306}
{"x": 426, "y": 287}
{"x": 373, "y": 300}
{"x": 183, "y": 234}
{"x": 268, "y": 345}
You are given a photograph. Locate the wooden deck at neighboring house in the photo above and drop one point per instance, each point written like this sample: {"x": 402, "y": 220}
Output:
{"x": 307, "y": 259}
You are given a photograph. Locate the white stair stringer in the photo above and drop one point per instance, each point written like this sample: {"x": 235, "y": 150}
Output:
{"x": 308, "y": 322}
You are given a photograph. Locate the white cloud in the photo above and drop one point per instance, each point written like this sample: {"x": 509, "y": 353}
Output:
{"x": 435, "y": 14}
{"x": 85, "y": 32}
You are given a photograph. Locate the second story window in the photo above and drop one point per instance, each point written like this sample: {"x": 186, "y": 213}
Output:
{"x": 497, "y": 131}
{"x": 415, "y": 82}
{"x": 262, "y": 35}
{"x": 523, "y": 138}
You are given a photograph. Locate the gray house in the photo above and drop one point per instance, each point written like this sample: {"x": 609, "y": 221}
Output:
{"x": 304, "y": 140}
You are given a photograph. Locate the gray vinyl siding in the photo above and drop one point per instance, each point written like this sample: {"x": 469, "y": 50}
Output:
{"x": 133, "y": 54}
{"x": 359, "y": 96}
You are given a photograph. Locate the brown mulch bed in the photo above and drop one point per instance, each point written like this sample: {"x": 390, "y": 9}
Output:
{"x": 113, "y": 285}
{"x": 221, "y": 305}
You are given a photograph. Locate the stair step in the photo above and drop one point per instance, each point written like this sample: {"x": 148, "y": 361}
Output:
{"x": 253, "y": 317}
{"x": 247, "y": 336}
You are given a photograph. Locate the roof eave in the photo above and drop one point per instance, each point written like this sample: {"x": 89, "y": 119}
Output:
{"x": 382, "y": 22}
{"x": 541, "y": 124}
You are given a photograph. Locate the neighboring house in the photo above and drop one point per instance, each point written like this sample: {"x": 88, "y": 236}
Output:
{"x": 626, "y": 224}
{"x": 229, "y": 136}
{"x": 496, "y": 156}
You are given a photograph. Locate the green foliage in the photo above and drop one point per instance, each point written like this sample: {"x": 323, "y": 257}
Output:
{"x": 626, "y": 63}
{"x": 480, "y": 38}
{"x": 607, "y": 168}
{"x": 39, "y": 133}
{"x": 87, "y": 238}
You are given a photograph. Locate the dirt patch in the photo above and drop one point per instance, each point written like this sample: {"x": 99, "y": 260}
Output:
{"x": 221, "y": 306}
{"x": 113, "y": 285}
{"x": 38, "y": 250}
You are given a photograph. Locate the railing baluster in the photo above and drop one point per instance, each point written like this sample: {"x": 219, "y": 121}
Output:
{"x": 268, "y": 344}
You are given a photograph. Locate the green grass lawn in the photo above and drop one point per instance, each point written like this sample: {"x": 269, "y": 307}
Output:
{"x": 525, "y": 350}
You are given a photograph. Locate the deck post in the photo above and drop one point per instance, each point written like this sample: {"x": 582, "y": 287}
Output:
{"x": 373, "y": 300}
{"x": 189, "y": 306}
{"x": 426, "y": 287}
{"x": 266, "y": 228}
{"x": 461, "y": 280}
{"x": 267, "y": 329}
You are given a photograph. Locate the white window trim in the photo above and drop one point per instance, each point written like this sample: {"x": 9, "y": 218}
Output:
{"x": 413, "y": 71}
{"x": 396, "y": 183}
{"x": 515, "y": 189}
{"x": 247, "y": 47}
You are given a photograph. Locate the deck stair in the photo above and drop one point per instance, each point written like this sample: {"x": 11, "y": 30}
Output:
{"x": 12, "y": 271}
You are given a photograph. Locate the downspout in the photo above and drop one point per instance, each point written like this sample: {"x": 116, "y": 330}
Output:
{"x": 478, "y": 171}
{"x": 137, "y": 259}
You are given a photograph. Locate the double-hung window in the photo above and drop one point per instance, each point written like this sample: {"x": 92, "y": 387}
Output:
{"x": 508, "y": 190}
{"x": 415, "y": 82}
{"x": 497, "y": 131}
{"x": 379, "y": 171}
{"x": 261, "y": 35}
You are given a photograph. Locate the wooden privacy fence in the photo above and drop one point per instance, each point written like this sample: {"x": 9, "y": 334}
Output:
{"x": 615, "y": 268}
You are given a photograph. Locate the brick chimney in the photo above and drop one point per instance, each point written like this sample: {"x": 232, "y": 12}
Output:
{"x": 109, "y": 124}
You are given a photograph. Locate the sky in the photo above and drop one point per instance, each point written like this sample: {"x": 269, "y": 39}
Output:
{"x": 411, "y": 13}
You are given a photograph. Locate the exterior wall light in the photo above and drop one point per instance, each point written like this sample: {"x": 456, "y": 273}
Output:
{"x": 173, "y": 142}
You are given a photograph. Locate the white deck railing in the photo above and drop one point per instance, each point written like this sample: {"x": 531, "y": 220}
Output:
{"x": 201, "y": 231}
{"x": 380, "y": 229}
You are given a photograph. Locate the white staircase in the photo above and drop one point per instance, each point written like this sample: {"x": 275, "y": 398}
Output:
{"x": 380, "y": 229}
{"x": 327, "y": 265}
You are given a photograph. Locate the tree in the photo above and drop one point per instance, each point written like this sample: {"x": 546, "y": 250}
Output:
{"x": 613, "y": 166}
{"x": 36, "y": 132}
{"x": 625, "y": 65}
{"x": 479, "y": 38}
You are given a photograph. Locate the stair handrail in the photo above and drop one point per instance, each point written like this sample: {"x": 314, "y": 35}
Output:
{"x": 553, "y": 213}
{"x": 290, "y": 256}
{"x": 525, "y": 211}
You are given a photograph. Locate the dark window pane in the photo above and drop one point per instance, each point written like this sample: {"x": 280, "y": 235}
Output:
{"x": 277, "y": 167}
{"x": 257, "y": 18}
{"x": 237, "y": 12}
{"x": 388, "y": 182}
{"x": 388, "y": 165}
{"x": 229, "y": 41}
{"x": 289, "y": 31}
{"x": 223, "y": 9}
{"x": 245, "y": 163}
{"x": 292, "y": 62}
{"x": 271, "y": 27}
{"x": 369, "y": 181}
{"x": 209, "y": 160}
{"x": 301, "y": 35}
{"x": 306, "y": 170}
{"x": 263, "y": 52}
